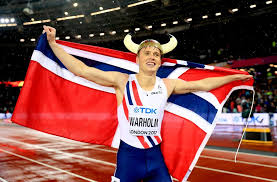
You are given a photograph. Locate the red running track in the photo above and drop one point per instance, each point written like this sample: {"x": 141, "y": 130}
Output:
{"x": 30, "y": 156}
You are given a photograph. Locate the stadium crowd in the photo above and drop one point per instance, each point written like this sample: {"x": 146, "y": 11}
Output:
{"x": 265, "y": 100}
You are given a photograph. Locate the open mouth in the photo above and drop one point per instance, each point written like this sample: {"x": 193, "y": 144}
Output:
{"x": 150, "y": 63}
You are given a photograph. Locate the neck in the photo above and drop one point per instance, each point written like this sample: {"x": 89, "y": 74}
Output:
{"x": 146, "y": 82}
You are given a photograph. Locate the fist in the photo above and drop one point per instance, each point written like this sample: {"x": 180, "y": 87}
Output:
{"x": 51, "y": 33}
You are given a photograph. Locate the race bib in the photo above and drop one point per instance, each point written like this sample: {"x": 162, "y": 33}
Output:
{"x": 144, "y": 121}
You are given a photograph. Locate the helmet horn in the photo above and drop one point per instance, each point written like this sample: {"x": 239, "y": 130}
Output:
{"x": 170, "y": 45}
{"x": 165, "y": 48}
{"x": 130, "y": 45}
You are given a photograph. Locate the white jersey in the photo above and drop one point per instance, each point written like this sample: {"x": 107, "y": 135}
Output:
{"x": 141, "y": 113}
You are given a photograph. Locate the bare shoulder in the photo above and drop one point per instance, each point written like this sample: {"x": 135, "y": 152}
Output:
{"x": 170, "y": 85}
{"x": 169, "y": 82}
{"x": 121, "y": 79}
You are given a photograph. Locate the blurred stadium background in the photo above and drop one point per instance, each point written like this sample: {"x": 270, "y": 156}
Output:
{"x": 235, "y": 34}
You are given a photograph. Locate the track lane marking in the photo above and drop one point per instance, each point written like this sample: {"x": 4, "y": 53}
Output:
{"x": 43, "y": 164}
{"x": 244, "y": 162}
{"x": 204, "y": 150}
{"x": 105, "y": 150}
{"x": 205, "y": 156}
{"x": 242, "y": 153}
{"x": 112, "y": 164}
{"x": 233, "y": 173}
{"x": 2, "y": 180}
{"x": 60, "y": 152}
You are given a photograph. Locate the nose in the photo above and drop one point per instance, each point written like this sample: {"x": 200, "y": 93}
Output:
{"x": 152, "y": 56}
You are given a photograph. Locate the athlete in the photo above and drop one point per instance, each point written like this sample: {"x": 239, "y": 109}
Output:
{"x": 141, "y": 100}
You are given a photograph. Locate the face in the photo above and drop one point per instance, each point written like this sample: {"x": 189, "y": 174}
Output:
{"x": 149, "y": 59}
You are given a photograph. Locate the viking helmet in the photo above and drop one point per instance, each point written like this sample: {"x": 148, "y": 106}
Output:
{"x": 164, "y": 48}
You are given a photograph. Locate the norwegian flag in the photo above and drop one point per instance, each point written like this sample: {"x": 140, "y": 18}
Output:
{"x": 55, "y": 101}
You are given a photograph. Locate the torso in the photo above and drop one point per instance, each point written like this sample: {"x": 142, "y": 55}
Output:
{"x": 140, "y": 112}
{"x": 124, "y": 79}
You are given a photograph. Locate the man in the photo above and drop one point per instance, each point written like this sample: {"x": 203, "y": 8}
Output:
{"x": 141, "y": 99}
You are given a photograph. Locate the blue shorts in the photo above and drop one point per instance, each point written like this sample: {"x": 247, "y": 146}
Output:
{"x": 135, "y": 165}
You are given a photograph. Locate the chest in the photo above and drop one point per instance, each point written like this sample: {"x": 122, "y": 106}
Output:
{"x": 156, "y": 97}
{"x": 136, "y": 96}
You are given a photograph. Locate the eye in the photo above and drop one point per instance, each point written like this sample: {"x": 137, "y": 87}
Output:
{"x": 146, "y": 52}
{"x": 156, "y": 54}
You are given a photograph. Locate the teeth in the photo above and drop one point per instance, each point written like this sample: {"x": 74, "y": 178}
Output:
{"x": 150, "y": 63}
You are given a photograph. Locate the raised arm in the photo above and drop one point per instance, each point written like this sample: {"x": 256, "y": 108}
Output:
{"x": 108, "y": 78}
{"x": 178, "y": 86}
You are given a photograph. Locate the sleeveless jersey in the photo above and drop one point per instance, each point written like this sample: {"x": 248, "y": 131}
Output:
{"x": 141, "y": 112}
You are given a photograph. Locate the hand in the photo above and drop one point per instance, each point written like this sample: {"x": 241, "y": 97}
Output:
{"x": 51, "y": 33}
{"x": 242, "y": 77}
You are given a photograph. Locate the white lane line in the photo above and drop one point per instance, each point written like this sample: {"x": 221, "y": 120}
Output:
{"x": 60, "y": 152}
{"x": 108, "y": 150}
{"x": 244, "y": 162}
{"x": 204, "y": 156}
{"x": 104, "y": 162}
{"x": 237, "y": 174}
{"x": 260, "y": 155}
{"x": 104, "y": 150}
{"x": 2, "y": 180}
{"x": 68, "y": 154}
{"x": 43, "y": 164}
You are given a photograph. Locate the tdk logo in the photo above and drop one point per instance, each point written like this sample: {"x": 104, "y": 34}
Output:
{"x": 145, "y": 110}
